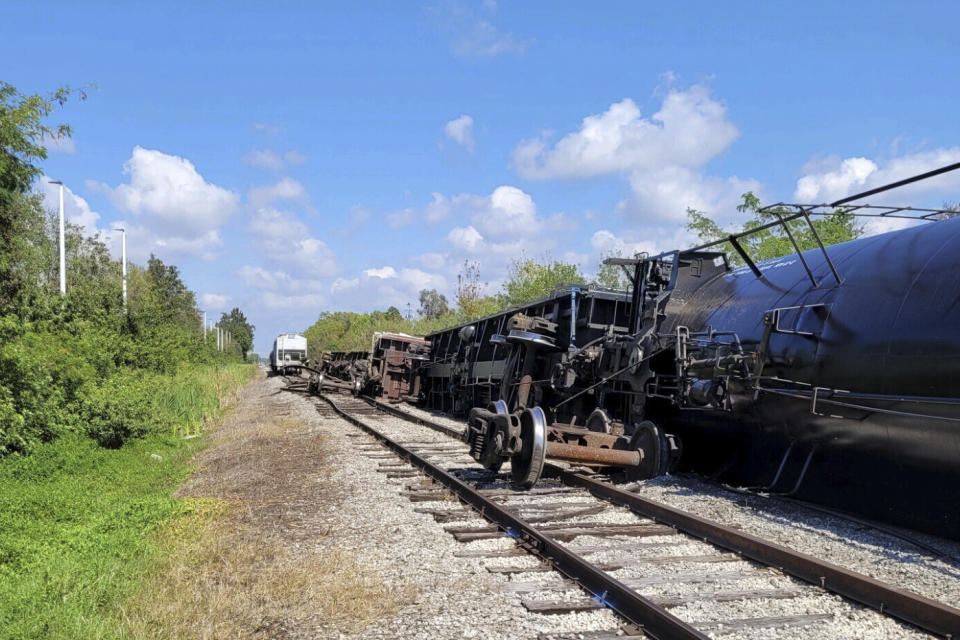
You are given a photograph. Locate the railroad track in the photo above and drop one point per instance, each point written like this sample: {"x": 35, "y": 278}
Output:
{"x": 658, "y": 568}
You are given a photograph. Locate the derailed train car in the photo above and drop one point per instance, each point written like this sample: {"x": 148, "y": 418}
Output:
{"x": 394, "y": 366}
{"x": 831, "y": 375}
{"x": 508, "y": 372}
{"x": 388, "y": 370}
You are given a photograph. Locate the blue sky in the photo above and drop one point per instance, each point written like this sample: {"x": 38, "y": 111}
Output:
{"x": 323, "y": 156}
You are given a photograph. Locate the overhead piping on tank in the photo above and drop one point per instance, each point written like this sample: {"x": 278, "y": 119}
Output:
{"x": 804, "y": 212}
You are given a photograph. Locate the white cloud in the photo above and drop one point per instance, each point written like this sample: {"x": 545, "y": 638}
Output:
{"x": 296, "y": 301}
{"x": 279, "y": 290}
{"x": 664, "y": 194}
{"x": 470, "y": 241}
{"x": 460, "y": 130}
{"x": 833, "y": 179}
{"x": 344, "y": 284}
{"x": 438, "y": 209}
{"x": 286, "y": 240}
{"x": 214, "y": 301}
{"x": 688, "y": 131}
{"x": 199, "y": 246}
{"x": 664, "y": 156}
{"x": 76, "y": 210}
{"x": 260, "y": 278}
{"x": 269, "y": 159}
{"x": 430, "y": 260}
{"x": 654, "y": 240}
{"x": 402, "y": 218}
{"x": 62, "y": 144}
{"x": 143, "y": 240}
{"x": 173, "y": 196}
{"x": 176, "y": 210}
{"x": 508, "y": 211}
{"x": 263, "y": 158}
{"x": 605, "y": 242}
{"x": 465, "y": 239}
{"x": 472, "y": 33}
{"x": 379, "y": 288}
{"x": 382, "y": 273}
{"x": 284, "y": 189}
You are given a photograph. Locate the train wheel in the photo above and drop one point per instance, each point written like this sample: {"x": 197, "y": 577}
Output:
{"x": 658, "y": 452}
{"x": 498, "y": 407}
{"x": 527, "y": 464}
{"x": 492, "y": 460}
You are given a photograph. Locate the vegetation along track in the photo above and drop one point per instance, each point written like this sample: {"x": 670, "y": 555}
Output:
{"x": 698, "y": 588}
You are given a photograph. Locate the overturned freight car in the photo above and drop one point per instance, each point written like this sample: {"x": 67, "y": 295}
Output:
{"x": 507, "y": 372}
{"x": 395, "y": 366}
{"x": 389, "y": 370}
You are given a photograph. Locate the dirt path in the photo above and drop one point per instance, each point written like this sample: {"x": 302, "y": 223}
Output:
{"x": 258, "y": 558}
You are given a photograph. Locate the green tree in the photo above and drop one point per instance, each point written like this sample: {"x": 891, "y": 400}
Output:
{"x": 22, "y": 132}
{"x": 951, "y": 210}
{"x": 472, "y": 300}
{"x": 240, "y": 329}
{"x": 433, "y": 304}
{"x": 25, "y": 251}
{"x": 773, "y": 242}
{"x": 529, "y": 280}
{"x": 611, "y": 276}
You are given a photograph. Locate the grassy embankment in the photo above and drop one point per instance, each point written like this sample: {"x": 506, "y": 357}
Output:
{"x": 79, "y": 523}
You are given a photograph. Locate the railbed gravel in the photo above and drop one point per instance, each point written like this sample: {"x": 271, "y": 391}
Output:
{"x": 456, "y": 597}
{"x": 846, "y": 543}
{"x": 850, "y": 544}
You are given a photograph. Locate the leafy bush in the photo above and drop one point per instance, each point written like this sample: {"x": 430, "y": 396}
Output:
{"x": 121, "y": 407}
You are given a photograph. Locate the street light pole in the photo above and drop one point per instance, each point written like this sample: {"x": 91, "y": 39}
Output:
{"x": 123, "y": 262}
{"x": 63, "y": 252}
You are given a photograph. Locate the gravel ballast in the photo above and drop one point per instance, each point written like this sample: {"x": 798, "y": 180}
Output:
{"x": 854, "y": 546}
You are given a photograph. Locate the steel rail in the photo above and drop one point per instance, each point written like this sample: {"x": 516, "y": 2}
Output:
{"x": 654, "y": 620}
{"x": 910, "y": 607}
{"x": 925, "y": 613}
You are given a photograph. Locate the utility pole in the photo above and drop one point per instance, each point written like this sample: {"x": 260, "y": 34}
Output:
{"x": 123, "y": 268}
{"x": 204, "y": 325}
{"x": 63, "y": 251}
{"x": 218, "y": 337}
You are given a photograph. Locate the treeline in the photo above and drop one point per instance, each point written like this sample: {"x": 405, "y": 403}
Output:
{"x": 81, "y": 363}
{"x": 527, "y": 280}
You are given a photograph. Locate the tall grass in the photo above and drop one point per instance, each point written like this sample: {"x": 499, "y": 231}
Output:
{"x": 198, "y": 393}
{"x": 76, "y": 518}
